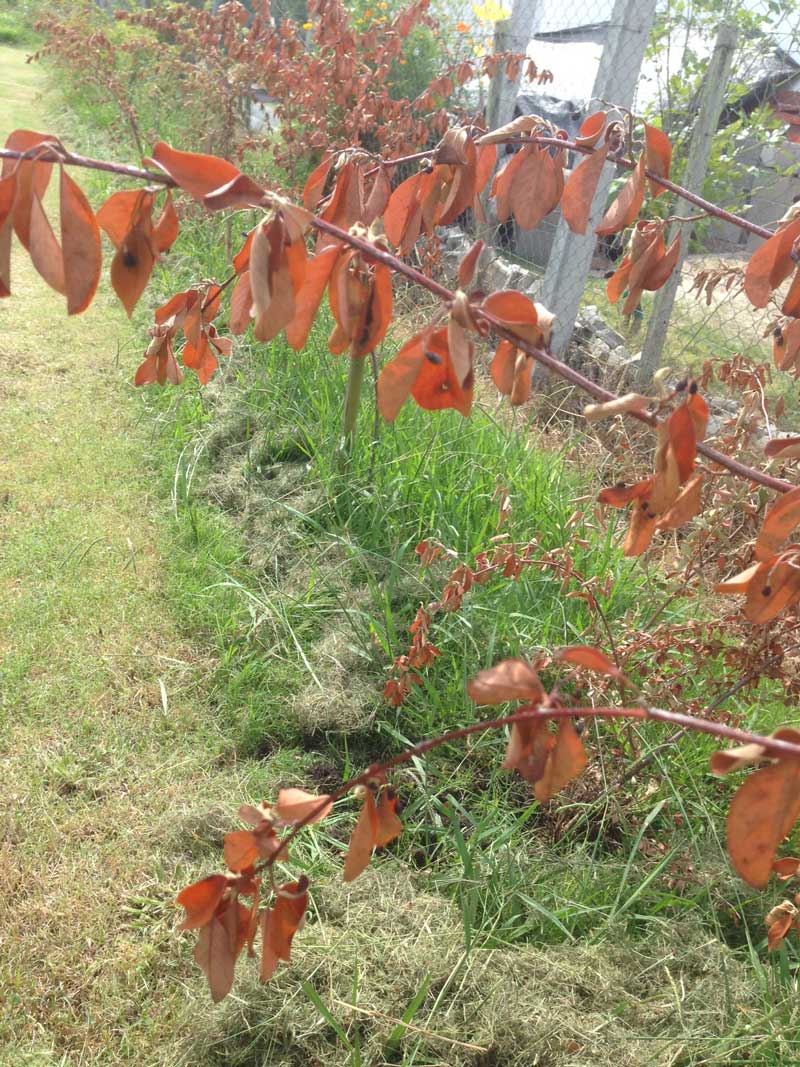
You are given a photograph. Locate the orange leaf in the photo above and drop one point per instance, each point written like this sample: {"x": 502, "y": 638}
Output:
{"x": 239, "y": 192}
{"x": 739, "y": 583}
{"x": 779, "y": 522}
{"x": 627, "y": 205}
{"x": 315, "y": 183}
{"x": 762, "y": 812}
{"x": 774, "y": 588}
{"x": 770, "y": 264}
{"x": 45, "y": 251}
{"x": 362, "y": 839}
{"x": 240, "y": 849}
{"x": 783, "y": 448}
{"x": 618, "y": 496}
{"x": 121, "y": 212}
{"x": 201, "y": 900}
{"x": 8, "y": 189}
{"x": 788, "y": 867}
{"x": 682, "y": 440}
{"x": 566, "y": 760}
{"x": 167, "y": 227}
{"x": 399, "y": 375}
{"x": 295, "y": 805}
{"x": 468, "y": 265}
{"x": 241, "y": 303}
{"x": 437, "y": 385}
{"x": 32, "y": 178}
{"x": 197, "y": 174}
{"x": 686, "y": 506}
{"x": 529, "y": 746}
{"x": 133, "y": 264}
{"x": 80, "y": 242}
{"x": 779, "y": 922}
{"x": 511, "y": 679}
{"x": 658, "y": 156}
{"x": 536, "y": 187}
{"x": 580, "y": 186}
{"x": 592, "y": 129}
{"x": 389, "y": 826}
{"x": 641, "y": 530}
{"x": 280, "y": 923}
{"x": 591, "y": 658}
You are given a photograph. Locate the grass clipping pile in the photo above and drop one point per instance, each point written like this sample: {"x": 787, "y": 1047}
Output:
{"x": 552, "y": 1006}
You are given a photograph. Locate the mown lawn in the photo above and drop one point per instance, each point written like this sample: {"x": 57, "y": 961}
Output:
{"x": 201, "y": 606}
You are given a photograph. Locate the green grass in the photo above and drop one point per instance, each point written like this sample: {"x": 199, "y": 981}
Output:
{"x": 203, "y": 607}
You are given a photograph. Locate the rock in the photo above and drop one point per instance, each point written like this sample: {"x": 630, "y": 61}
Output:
{"x": 591, "y": 319}
{"x": 500, "y": 273}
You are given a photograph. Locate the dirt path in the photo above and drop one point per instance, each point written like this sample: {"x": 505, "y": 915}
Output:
{"x": 106, "y": 738}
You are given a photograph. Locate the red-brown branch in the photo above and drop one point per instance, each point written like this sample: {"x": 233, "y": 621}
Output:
{"x": 446, "y": 295}
{"x": 772, "y": 745}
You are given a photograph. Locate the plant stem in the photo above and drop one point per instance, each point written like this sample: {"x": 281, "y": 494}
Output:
{"x": 352, "y": 398}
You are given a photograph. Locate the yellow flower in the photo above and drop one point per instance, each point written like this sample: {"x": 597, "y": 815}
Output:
{"x": 306, "y": 25}
{"x": 462, "y": 27}
{"x": 491, "y": 11}
{"x": 368, "y": 13}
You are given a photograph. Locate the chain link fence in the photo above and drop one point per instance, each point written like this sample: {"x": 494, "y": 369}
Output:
{"x": 639, "y": 56}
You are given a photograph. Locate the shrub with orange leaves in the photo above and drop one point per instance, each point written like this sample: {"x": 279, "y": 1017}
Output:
{"x": 358, "y": 223}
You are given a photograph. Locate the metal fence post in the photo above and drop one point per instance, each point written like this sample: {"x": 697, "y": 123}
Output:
{"x": 571, "y": 257}
{"x": 709, "y": 109}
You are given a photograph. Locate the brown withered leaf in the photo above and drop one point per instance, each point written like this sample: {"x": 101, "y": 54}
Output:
{"x": 31, "y": 177}
{"x": 783, "y": 448}
{"x": 80, "y": 244}
{"x": 201, "y": 900}
{"x": 45, "y": 251}
{"x": 537, "y": 185}
{"x": 280, "y": 923}
{"x": 771, "y": 264}
{"x": 8, "y": 190}
{"x": 658, "y": 156}
{"x": 529, "y": 746}
{"x": 762, "y": 812}
{"x": 786, "y": 868}
{"x": 295, "y": 805}
{"x": 438, "y": 385}
{"x": 590, "y": 658}
{"x": 779, "y": 921}
{"x": 511, "y": 679}
{"x": 215, "y": 955}
{"x": 727, "y": 760}
{"x": 565, "y": 761}
{"x": 627, "y": 205}
{"x": 512, "y": 371}
{"x": 362, "y": 839}
{"x": 779, "y": 522}
{"x": 774, "y": 587}
{"x": 580, "y": 187}
{"x": 687, "y": 504}
{"x": 195, "y": 173}
{"x": 389, "y": 825}
{"x": 618, "y": 406}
